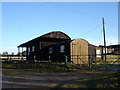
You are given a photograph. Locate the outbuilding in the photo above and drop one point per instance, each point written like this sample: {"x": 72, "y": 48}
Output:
{"x": 41, "y": 48}
{"x": 81, "y": 51}
{"x": 55, "y": 46}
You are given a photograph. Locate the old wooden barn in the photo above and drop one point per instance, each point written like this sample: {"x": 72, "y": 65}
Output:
{"x": 41, "y": 48}
{"x": 54, "y": 46}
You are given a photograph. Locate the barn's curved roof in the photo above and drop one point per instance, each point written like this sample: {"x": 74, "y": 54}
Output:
{"x": 80, "y": 39}
{"x": 56, "y": 35}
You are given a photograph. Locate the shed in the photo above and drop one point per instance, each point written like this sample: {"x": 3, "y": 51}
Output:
{"x": 81, "y": 51}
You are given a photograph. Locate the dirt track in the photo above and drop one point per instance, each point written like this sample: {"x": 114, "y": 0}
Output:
{"x": 51, "y": 80}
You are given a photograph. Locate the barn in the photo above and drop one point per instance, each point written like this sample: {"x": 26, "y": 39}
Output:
{"x": 47, "y": 45}
{"x": 55, "y": 46}
{"x": 81, "y": 51}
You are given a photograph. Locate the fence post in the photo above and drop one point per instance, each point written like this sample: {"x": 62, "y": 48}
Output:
{"x": 7, "y": 57}
{"x": 77, "y": 60}
{"x": 10, "y": 57}
{"x": 89, "y": 61}
{"x": 66, "y": 60}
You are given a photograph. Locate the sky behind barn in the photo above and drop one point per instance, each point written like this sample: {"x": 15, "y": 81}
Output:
{"x": 23, "y": 21}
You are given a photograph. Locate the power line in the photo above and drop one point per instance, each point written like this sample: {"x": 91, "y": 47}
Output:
{"x": 91, "y": 30}
{"x": 79, "y": 12}
{"x": 76, "y": 11}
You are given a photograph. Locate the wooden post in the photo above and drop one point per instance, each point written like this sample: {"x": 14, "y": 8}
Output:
{"x": 77, "y": 60}
{"x": 49, "y": 58}
{"x": 66, "y": 59}
{"x": 104, "y": 38}
{"x": 7, "y": 57}
{"x": 18, "y": 52}
{"x": 10, "y": 57}
{"x": 89, "y": 61}
{"x": 22, "y": 53}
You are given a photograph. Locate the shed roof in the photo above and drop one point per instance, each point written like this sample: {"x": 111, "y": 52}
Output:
{"x": 79, "y": 39}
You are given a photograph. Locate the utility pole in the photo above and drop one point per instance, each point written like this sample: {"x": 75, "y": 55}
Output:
{"x": 104, "y": 38}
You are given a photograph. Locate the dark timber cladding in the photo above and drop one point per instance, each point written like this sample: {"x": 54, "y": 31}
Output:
{"x": 44, "y": 47}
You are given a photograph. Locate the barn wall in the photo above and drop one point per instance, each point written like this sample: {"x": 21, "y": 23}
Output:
{"x": 79, "y": 51}
{"x": 43, "y": 53}
{"x": 56, "y": 55}
{"x": 92, "y": 52}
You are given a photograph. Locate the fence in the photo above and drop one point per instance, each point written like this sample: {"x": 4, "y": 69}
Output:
{"x": 90, "y": 61}
{"x": 12, "y": 57}
{"x": 93, "y": 61}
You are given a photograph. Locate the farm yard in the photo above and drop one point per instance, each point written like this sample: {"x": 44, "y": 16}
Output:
{"x": 53, "y": 60}
{"x": 24, "y": 74}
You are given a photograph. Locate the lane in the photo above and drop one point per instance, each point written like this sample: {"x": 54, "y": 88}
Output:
{"x": 48, "y": 80}
{"x": 40, "y": 80}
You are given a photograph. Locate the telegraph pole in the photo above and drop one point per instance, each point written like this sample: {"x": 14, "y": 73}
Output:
{"x": 104, "y": 38}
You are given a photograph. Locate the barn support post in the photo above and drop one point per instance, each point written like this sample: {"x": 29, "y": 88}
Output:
{"x": 26, "y": 53}
{"x": 22, "y": 54}
{"x": 18, "y": 52}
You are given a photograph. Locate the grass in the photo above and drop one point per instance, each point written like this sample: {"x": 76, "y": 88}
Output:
{"x": 36, "y": 67}
{"x": 110, "y": 80}
{"x": 53, "y": 66}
